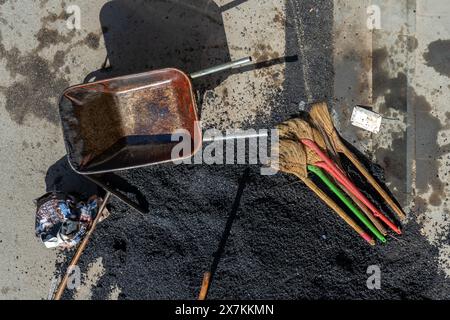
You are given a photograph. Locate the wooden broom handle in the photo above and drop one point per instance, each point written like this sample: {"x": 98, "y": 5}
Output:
{"x": 310, "y": 184}
{"x": 372, "y": 181}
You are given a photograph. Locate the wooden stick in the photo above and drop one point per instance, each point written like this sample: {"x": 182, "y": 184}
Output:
{"x": 320, "y": 115}
{"x": 208, "y": 276}
{"x": 335, "y": 156}
{"x": 373, "y": 182}
{"x": 81, "y": 247}
{"x": 341, "y": 213}
{"x": 205, "y": 286}
{"x": 293, "y": 160}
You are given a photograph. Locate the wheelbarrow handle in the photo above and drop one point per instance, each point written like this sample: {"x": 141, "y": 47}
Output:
{"x": 221, "y": 67}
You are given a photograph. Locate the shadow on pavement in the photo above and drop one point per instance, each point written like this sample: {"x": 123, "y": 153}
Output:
{"x": 61, "y": 177}
{"x": 145, "y": 35}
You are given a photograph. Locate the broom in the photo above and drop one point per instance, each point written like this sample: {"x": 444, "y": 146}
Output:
{"x": 292, "y": 159}
{"x": 303, "y": 132}
{"x": 335, "y": 156}
{"x": 321, "y": 117}
{"x": 346, "y": 201}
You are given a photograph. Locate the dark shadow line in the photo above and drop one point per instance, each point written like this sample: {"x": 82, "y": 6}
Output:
{"x": 265, "y": 64}
{"x": 104, "y": 70}
{"x": 231, "y": 5}
{"x": 226, "y": 232}
{"x": 113, "y": 183}
{"x": 98, "y": 75}
{"x": 362, "y": 183}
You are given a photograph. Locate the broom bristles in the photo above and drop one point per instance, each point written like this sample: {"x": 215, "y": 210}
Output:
{"x": 320, "y": 114}
{"x": 285, "y": 131}
{"x": 298, "y": 129}
{"x": 292, "y": 158}
{"x": 295, "y": 129}
{"x": 319, "y": 139}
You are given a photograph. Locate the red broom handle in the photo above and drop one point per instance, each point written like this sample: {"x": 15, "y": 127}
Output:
{"x": 337, "y": 174}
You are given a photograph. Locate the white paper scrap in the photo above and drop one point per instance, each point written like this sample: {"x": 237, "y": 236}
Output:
{"x": 365, "y": 119}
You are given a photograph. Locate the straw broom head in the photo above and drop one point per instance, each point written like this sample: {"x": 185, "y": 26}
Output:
{"x": 321, "y": 116}
{"x": 319, "y": 138}
{"x": 295, "y": 129}
{"x": 321, "y": 119}
{"x": 298, "y": 129}
{"x": 292, "y": 157}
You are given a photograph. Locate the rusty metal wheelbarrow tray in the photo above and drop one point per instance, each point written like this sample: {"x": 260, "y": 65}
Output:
{"x": 128, "y": 122}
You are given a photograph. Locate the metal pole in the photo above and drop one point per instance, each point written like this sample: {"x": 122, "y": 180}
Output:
{"x": 221, "y": 67}
{"x": 236, "y": 136}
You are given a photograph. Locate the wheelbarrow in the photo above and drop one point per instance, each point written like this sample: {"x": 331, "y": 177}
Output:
{"x": 128, "y": 122}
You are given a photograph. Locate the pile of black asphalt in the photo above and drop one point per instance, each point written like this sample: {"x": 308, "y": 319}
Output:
{"x": 264, "y": 237}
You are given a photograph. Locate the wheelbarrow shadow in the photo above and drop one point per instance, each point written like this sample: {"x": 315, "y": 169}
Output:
{"x": 62, "y": 178}
{"x": 145, "y": 35}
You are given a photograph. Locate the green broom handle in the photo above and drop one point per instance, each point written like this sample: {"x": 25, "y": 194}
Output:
{"x": 346, "y": 201}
